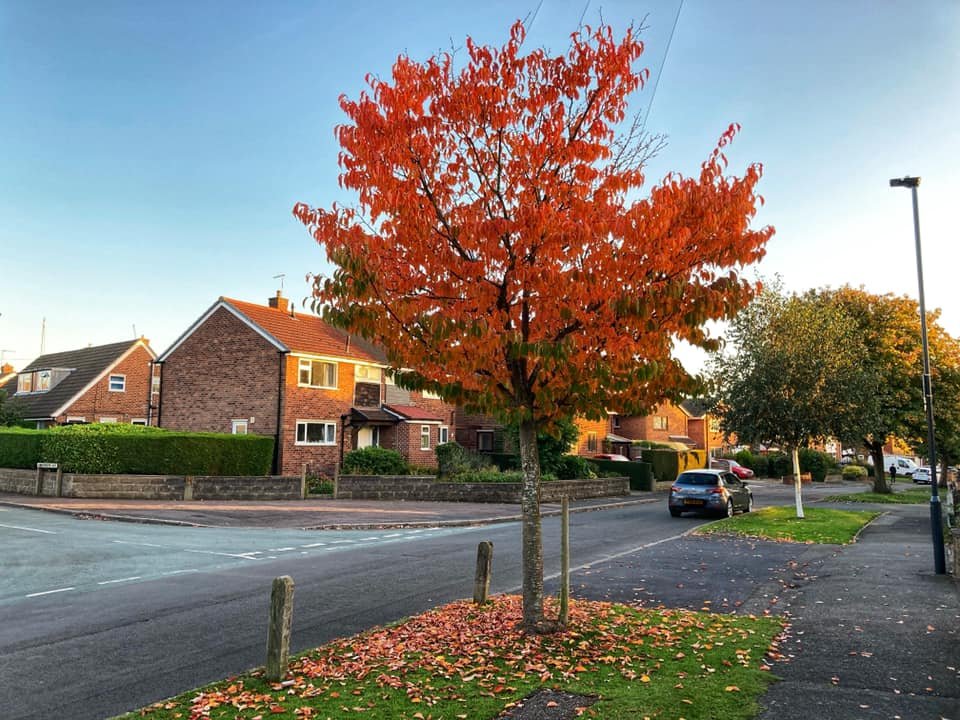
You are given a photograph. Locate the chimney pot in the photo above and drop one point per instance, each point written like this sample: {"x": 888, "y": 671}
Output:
{"x": 279, "y": 302}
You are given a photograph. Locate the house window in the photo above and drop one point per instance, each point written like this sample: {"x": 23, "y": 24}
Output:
{"x": 43, "y": 380}
{"x": 117, "y": 383}
{"x": 429, "y": 395}
{"x": 714, "y": 426}
{"x": 424, "y": 437}
{"x": 155, "y": 385}
{"x": 108, "y": 420}
{"x": 25, "y": 383}
{"x": 139, "y": 421}
{"x": 316, "y": 373}
{"x": 444, "y": 435}
{"x": 660, "y": 422}
{"x": 316, "y": 432}
{"x": 239, "y": 427}
{"x": 484, "y": 440}
{"x": 616, "y": 422}
{"x": 75, "y": 419}
{"x": 365, "y": 373}
{"x": 592, "y": 441}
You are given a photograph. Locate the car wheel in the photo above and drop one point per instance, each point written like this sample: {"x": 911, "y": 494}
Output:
{"x": 730, "y": 508}
{"x": 749, "y": 503}
{"x": 675, "y": 513}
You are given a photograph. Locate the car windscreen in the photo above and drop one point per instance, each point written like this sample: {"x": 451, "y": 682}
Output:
{"x": 697, "y": 479}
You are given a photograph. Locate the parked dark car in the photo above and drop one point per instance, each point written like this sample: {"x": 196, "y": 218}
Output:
{"x": 744, "y": 473}
{"x": 709, "y": 491}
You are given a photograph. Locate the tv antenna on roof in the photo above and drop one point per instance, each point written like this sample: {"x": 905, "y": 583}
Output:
{"x": 281, "y": 276}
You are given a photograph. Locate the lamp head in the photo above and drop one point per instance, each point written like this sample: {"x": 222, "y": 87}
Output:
{"x": 908, "y": 182}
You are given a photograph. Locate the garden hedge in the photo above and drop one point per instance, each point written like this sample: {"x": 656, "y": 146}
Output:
{"x": 136, "y": 450}
{"x": 640, "y": 473}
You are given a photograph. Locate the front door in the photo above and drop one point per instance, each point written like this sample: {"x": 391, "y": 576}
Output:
{"x": 368, "y": 437}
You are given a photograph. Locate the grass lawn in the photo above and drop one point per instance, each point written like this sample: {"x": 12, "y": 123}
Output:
{"x": 464, "y": 661}
{"x": 912, "y": 496}
{"x": 820, "y": 525}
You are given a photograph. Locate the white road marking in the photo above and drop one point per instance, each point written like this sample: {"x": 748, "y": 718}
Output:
{"x": 19, "y": 527}
{"x": 393, "y": 535}
{"x": 311, "y": 545}
{"x": 336, "y": 542}
{"x": 142, "y": 544}
{"x": 375, "y": 537}
{"x": 180, "y": 572}
{"x": 49, "y": 592}
{"x": 245, "y": 556}
{"x": 119, "y": 580}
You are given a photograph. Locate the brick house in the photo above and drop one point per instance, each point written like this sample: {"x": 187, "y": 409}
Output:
{"x": 321, "y": 392}
{"x": 107, "y": 383}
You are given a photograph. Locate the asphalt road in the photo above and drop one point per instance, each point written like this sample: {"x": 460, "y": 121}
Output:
{"x": 97, "y": 618}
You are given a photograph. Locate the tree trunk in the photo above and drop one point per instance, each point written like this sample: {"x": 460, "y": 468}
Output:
{"x": 879, "y": 471}
{"x": 797, "y": 483}
{"x": 532, "y": 538}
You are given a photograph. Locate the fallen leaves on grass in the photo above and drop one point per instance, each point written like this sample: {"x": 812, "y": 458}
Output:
{"x": 460, "y": 647}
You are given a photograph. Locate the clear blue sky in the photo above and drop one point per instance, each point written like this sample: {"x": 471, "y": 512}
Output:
{"x": 150, "y": 152}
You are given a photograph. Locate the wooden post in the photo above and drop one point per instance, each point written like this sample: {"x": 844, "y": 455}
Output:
{"x": 303, "y": 482}
{"x": 188, "y": 487}
{"x": 336, "y": 479}
{"x": 481, "y": 582}
{"x": 39, "y": 480}
{"x": 278, "y": 631}
{"x": 59, "y": 481}
{"x": 564, "y": 561}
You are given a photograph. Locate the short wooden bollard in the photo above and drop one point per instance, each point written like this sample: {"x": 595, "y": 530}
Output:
{"x": 564, "y": 562}
{"x": 278, "y": 632}
{"x": 481, "y": 583}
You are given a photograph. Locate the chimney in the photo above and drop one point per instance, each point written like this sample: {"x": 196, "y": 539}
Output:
{"x": 279, "y": 302}
{"x": 6, "y": 368}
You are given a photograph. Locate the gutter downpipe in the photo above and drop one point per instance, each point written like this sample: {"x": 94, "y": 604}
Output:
{"x": 278, "y": 439}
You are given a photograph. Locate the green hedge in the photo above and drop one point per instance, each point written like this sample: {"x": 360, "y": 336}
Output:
{"x": 20, "y": 448}
{"x": 119, "y": 448}
{"x": 854, "y": 472}
{"x": 374, "y": 461}
{"x": 640, "y": 473}
{"x": 665, "y": 463}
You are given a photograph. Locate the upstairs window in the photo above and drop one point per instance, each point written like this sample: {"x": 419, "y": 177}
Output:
{"x": 591, "y": 441}
{"x": 317, "y": 373}
{"x": 155, "y": 385}
{"x": 43, "y": 381}
{"x": 660, "y": 422}
{"x": 117, "y": 383}
{"x": 430, "y": 395}
{"x": 25, "y": 383}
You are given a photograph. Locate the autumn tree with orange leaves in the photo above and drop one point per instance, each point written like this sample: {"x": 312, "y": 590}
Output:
{"x": 500, "y": 252}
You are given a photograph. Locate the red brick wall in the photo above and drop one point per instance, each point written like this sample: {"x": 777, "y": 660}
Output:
{"x": 641, "y": 427}
{"x": 599, "y": 427}
{"x": 696, "y": 430}
{"x": 131, "y": 404}
{"x": 322, "y": 404}
{"x": 223, "y": 371}
{"x": 467, "y": 425}
{"x": 408, "y": 439}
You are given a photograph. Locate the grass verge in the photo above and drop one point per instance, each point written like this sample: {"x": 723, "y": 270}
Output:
{"x": 913, "y": 496}
{"x": 463, "y": 661}
{"x": 820, "y": 525}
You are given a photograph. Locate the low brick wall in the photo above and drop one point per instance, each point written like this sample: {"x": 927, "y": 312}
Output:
{"x": 426, "y": 487}
{"x": 152, "y": 487}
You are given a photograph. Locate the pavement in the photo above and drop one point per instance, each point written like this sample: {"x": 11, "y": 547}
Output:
{"x": 874, "y": 633}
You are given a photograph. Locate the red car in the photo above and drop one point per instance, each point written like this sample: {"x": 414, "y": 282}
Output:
{"x": 744, "y": 473}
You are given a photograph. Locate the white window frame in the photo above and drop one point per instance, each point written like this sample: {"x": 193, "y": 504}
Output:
{"x": 425, "y": 437}
{"x": 308, "y": 363}
{"x": 661, "y": 422}
{"x": 326, "y": 442}
{"x": 138, "y": 421}
{"x": 107, "y": 420}
{"x": 444, "y": 435}
{"x": 236, "y": 424}
{"x": 123, "y": 382}
{"x": 429, "y": 395}
{"x": 75, "y": 419}
{"x": 25, "y": 382}
{"x": 154, "y": 384}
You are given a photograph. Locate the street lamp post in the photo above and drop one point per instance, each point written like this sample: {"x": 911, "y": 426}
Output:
{"x": 936, "y": 519}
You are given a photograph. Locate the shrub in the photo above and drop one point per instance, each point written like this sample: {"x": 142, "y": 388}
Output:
{"x": 119, "y": 448}
{"x": 20, "y": 448}
{"x": 640, "y": 473}
{"x": 319, "y": 485}
{"x": 374, "y": 461}
{"x": 489, "y": 476}
{"x": 817, "y": 463}
{"x": 779, "y": 464}
{"x": 572, "y": 467}
{"x": 854, "y": 472}
{"x": 665, "y": 463}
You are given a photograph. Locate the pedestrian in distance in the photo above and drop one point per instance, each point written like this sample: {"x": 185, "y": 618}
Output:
{"x": 893, "y": 475}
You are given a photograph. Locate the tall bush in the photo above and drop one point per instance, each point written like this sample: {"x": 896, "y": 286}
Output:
{"x": 375, "y": 461}
{"x": 20, "y": 448}
{"x": 665, "y": 463}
